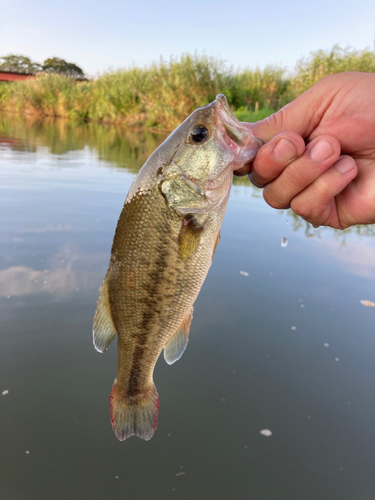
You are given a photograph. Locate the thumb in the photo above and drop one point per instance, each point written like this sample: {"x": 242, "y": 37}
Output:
{"x": 302, "y": 116}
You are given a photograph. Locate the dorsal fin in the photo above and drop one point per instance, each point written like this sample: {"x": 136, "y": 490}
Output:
{"x": 104, "y": 330}
{"x": 175, "y": 348}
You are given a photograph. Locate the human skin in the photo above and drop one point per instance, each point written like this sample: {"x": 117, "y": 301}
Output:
{"x": 319, "y": 153}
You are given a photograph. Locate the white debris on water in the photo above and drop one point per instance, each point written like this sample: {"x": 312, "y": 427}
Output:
{"x": 367, "y": 303}
{"x": 302, "y": 306}
{"x": 244, "y": 273}
{"x": 266, "y": 432}
{"x": 27, "y": 452}
{"x": 326, "y": 345}
{"x": 4, "y": 393}
{"x": 284, "y": 242}
{"x": 116, "y": 477}
{"x": 293, "y": 328}
{"x": 337, "y": 359}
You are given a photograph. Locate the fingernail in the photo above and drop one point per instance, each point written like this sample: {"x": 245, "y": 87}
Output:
{"x": 321, "y": 151}
{"x": 344, "y": 164}
{"x": 284, "y": 150}
{"x": 253, "y": 182}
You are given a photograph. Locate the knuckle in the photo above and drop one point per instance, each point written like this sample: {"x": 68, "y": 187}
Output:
{"x": 277, "y": 120}
{"x": 297, "y": 179}
{"x": 272, "y": 200}
{"x": 322, "y": 190}
{"x": 302, "y": 209}
{"x": 316, "y": 215}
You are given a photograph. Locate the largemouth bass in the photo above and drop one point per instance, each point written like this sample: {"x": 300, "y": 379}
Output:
{"x": 163, "y": 247}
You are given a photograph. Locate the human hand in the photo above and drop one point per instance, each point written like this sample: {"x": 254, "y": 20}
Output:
{"x": 329, "y": 181}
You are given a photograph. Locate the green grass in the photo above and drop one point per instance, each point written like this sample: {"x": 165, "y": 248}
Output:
{"x": 246, "y": 115}
{"x": 160, "y": 96}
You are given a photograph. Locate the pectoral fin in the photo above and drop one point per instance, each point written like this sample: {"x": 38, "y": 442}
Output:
{"x": 177, "y": 345}
{"x": 104, "y": 330}
{"x": 190, "y": 236}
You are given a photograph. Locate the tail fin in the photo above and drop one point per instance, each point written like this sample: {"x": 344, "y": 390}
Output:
{"x": 134, "y": 416}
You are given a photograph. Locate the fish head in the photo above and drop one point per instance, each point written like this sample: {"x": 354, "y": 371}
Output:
{"x": 194, "y": 166}
{"x": 211, "y": 144}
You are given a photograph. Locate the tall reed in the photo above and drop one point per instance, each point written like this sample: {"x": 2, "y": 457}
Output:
{"x": 163, "y": 94}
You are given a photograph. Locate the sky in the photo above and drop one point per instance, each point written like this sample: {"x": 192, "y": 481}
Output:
{"x": 101, "y": 35}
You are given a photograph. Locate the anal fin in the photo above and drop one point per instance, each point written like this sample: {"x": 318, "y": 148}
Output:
{"x": 104, "y": 330}
{"x": 175, "y": 348}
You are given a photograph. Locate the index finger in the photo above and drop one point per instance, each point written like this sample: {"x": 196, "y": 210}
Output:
{"x": 273, "y": 157}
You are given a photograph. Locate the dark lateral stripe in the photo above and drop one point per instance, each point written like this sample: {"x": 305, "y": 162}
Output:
{"x": 152, "y": 307}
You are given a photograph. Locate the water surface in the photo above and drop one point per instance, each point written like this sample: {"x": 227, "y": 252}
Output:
{"x": 279, "y": 341}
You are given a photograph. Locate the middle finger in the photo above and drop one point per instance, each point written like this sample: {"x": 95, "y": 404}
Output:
{"x": 319, "y": 155}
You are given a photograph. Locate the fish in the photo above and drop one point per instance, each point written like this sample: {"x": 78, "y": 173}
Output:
{"x": 163, "y": 247}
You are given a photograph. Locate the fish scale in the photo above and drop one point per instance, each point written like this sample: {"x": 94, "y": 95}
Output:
{"x": 163, "y": 247}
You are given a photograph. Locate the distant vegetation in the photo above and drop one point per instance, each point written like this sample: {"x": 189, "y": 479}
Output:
{"x": 22, "y": 64}
{"x": 160, "y": 96}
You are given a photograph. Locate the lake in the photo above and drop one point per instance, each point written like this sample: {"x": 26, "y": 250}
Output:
{"x": 274, "y": 395}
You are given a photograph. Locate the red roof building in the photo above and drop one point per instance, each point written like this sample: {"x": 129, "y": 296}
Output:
{"x": 9, "y": 76}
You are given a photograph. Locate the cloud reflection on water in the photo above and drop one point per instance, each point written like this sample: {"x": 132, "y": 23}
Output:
{"x": 356, "y": 258}
{"x": 21, "y": 280}
{"x": 70, "y": 271}
{"x": 66, "y": 272}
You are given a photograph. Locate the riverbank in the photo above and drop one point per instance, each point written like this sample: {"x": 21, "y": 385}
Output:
{"x": 159, "y": 97}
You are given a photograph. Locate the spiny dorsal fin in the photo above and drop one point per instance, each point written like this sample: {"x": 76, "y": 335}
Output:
{"x": 104, "y": 330}
{"x": 177, "y": 345}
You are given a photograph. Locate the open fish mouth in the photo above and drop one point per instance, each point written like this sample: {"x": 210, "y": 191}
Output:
{"x": 233, "y": 134}
{"x": 231, "y": 124}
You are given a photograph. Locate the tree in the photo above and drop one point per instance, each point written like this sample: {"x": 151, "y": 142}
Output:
{"x": 62, "y": 67}
{"x": 19, "y": 64}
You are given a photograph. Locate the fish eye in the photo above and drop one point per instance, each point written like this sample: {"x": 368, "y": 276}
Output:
{"x": 199, "y": 134}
